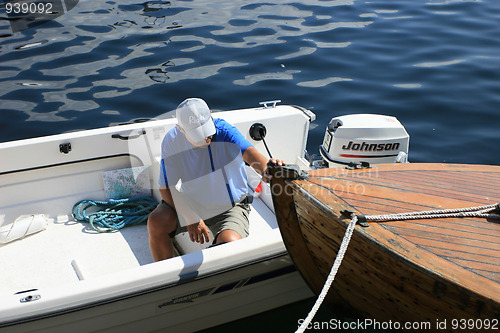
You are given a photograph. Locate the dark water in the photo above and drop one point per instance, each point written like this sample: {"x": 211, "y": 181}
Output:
{"x": 433, "y": 64}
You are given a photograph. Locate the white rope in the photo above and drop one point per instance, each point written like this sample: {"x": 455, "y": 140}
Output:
{"x": 331, "y": 276}
{"x": 481, "y": 211}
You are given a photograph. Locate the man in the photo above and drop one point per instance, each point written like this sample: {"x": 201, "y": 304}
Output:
{"x": 203, "y": 182}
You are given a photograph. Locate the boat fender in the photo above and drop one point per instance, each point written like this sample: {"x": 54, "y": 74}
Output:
{"x": 23, "y": 226}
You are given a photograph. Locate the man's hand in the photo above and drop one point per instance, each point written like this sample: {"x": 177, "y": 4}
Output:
{"x": 266, "y": 177}
{"x": 198, "y": 232}
{"x": 259, "y": 162}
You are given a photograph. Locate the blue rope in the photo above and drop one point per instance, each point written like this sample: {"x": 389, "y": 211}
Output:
{"x": 114, "y": 214}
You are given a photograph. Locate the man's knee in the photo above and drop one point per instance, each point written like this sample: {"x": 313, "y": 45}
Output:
{"x": 162, "y": 220}
{"x": 228, "y": 235}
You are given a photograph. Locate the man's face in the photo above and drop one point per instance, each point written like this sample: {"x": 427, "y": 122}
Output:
{"x": 200, "y": 144}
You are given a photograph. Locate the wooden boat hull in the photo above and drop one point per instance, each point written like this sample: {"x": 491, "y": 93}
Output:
{"x": 403, "y": 271}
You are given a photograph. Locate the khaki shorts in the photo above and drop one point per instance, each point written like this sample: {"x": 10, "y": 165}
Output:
{"x": 235, "y": 219}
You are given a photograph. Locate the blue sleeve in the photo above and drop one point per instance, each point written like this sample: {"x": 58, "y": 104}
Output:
{"x": 167, "y": 163}
{"x": 232, "y": 134}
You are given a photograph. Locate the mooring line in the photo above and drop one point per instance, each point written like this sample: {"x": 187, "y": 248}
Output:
{"x": 331, "y": 276}
{"x": 480, "y": 211}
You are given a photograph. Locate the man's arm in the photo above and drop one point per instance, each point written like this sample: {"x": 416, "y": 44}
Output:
{"x": 198, "y": 232}
{"x": 259, "y": 162}
{"x": 166, "y": 196}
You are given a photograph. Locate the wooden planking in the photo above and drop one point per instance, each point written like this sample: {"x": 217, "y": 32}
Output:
{"x": 402, "y": 270}
{"x": 378, "y": 283}
{"x": 424, "y": 180}
{"x": 441, "y": 238}
{"x": 400, "y": 192}
{"x": 480, "y": 255}
{"x": 449, "y": 236}
{"x": 435, "y": 189}
{"x": 398, "y": 198}
{"x": 292, "y": 237}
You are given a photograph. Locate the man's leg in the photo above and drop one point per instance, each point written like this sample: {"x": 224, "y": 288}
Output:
{"x": 161, "y": 222}
{"x": 227, "y": 236}
{"x": 231, "y": 225}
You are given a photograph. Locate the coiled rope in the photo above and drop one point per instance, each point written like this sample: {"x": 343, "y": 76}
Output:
{"x": 481, "y": 211}
{"x": 114, "y": 214}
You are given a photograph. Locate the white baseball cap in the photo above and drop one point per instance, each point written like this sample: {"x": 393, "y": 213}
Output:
{"x": 193, "y": 116}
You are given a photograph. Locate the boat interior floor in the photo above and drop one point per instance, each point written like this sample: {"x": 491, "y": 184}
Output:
{"x": 70, "y": 251}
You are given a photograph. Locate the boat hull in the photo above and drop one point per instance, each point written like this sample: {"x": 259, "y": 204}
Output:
{"x": 189, "y": 306}
{"x": 69, "y": 277}
{"x": 404, "y": 272}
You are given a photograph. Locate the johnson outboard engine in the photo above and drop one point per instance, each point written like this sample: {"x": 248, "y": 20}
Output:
{"x": 361, "y": 139}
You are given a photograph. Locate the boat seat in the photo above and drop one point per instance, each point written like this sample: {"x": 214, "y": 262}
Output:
{"x": 261, "y": 219}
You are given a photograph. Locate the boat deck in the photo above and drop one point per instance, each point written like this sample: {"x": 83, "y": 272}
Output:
{"x": 69, "y": 251}
{"x": 422, "y": 269}
{"x": 54, "y": 259}
{"x": 471, "y": 243}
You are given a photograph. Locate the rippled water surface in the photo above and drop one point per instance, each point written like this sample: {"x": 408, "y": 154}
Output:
{"x": 434, "y": 64}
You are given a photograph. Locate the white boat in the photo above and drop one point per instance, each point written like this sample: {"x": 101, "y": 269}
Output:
{"x": 58, "y": 274}
{"x": 66, "y": 276}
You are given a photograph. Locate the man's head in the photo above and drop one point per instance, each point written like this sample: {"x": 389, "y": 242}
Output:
{"x": 195, "y": 120}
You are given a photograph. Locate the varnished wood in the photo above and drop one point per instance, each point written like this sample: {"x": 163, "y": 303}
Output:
{"x": 286, "y": 213}
{"x": 419, "y": 270}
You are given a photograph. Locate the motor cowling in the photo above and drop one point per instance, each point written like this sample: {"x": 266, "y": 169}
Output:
{"x": 368, "y": 138}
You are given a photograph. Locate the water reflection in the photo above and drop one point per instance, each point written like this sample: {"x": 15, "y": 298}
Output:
{"x": 107, "y": 62}
{"x": 106, "y": 50}
{"x": 439, "y": 63}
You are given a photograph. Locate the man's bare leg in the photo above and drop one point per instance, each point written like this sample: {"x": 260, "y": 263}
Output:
{"x": 161, "y": 222}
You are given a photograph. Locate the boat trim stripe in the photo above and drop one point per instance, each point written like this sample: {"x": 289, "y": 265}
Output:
{"x": 367, "y": 156}
{"x": 68, "y": 163}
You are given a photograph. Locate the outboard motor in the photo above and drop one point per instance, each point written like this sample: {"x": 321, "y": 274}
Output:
{"x": 360, "y": 139}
